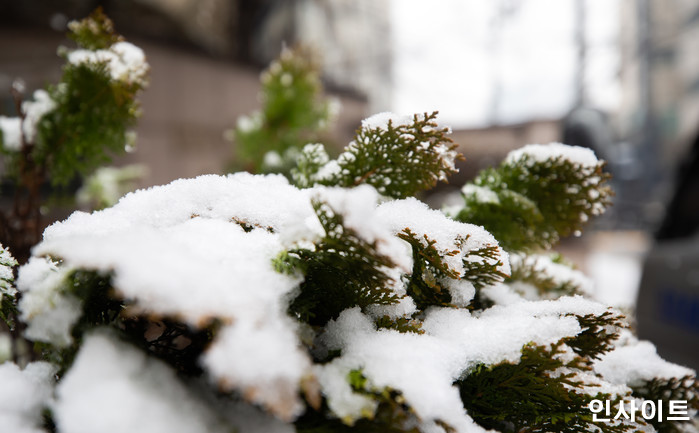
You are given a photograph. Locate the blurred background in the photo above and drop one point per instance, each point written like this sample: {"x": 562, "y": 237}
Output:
{"x": 618, "y": 76}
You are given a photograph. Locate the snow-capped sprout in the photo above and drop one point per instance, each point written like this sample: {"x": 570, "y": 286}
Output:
{"x": 102, "y": 49}
{"x": 7, "y": 265}
{"x": 546, "y": 277}
{"x": 312, "y": 158}
{"x": 47, "y": 307}
{"x": 34, "y": 111}
{"x": 482, "y": 194}
{"x": 450, "y": 259}
{"x": 542, "y": 193}
{"x": 249, "y": 123}
{"x": 397, "y": 155}
{"x": 294, "y": 113}
{"x": 16, "y": 131}
{"x": 108, "y": 184}
{"x": 123, "y": 61}
{"x": 382, "y": 120}
{"x": 541, "y": 153}
{"x": 11, "y": 133}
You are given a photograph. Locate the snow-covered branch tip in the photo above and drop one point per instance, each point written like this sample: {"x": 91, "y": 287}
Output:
{"x": 398, "y": 155}
{"x": 539, "y": 194}
{"x": 294, "y": 112}
{"x": 8, "y": 291}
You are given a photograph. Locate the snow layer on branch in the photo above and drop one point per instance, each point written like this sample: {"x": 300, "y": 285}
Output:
{"x": 114, "y": 388}
{"x": 7, "y": 263}
{"x": 637, "y": 362}
{"x": 48, "y": 310}
{"x": 23, "y": 395}
{"x": 181, "y": 251}
{"x": 454, "y": 342}
{"x": 559, "y": 273}
{"x": 124, "y": 61}
{"x": 543, "y": 152}
{"x": 358, "y": 206}
{"x": 403, "y": 308}
{"x": 11, "y": 128}
{"x": 34, "y": 111}
{"x": 261, "y": 201}
{"x": 450, "y": 236}
{"x": 483, "y": 194}
{"x": 380, "y": 120}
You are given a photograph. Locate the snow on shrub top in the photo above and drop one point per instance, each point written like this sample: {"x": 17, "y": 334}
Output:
{"x": 637, "y": 362}
{"x": 123, "y": 61}
{"x": 183, "y": 251}
{"x": 327, "y": 305}
{"x": 202, "y": 249}
{"x": 425, "y": 367}
{"x": 544, "y": 152}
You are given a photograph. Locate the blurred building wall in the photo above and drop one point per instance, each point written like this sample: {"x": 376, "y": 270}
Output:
{"x": 196, "y": 91}
{"x": 659, "y": 111}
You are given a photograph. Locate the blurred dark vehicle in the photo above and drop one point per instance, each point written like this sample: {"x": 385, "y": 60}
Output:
{"x": 668, "y": 299}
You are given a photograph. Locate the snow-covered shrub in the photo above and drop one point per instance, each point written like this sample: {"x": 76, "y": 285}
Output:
{"x": 342, "y": 303}
{"x": 335, "y": 303}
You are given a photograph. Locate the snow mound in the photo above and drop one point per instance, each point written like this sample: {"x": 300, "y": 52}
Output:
{"x": 23, "y": 395}
{"x": 114, "y": 388}
{"x": 454, "y": 342}
{"x": 543, "y": 152}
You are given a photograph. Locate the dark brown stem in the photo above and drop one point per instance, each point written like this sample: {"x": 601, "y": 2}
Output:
{"x": 21, "y": 227}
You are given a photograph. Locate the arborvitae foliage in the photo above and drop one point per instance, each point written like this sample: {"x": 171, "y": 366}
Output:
{"x": 400, "y": 324}
{"x": 95, "y": 33}
{"x": 432, "y": 276}
{"x": 663, "y": 391}
{"x": 597, "y": 335}
{"x": 342, "y": 269}
{"x": 532, "y": 200}
{"x": 537, "y": 394}
{"x": 166, "y": 338}
{"x": 8, "y": 308}
{"x": 294, "y": 113}
{"x": 529, "y": 270}
{"x": 392, "y": 415}
{"x": 398, "y": 156}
